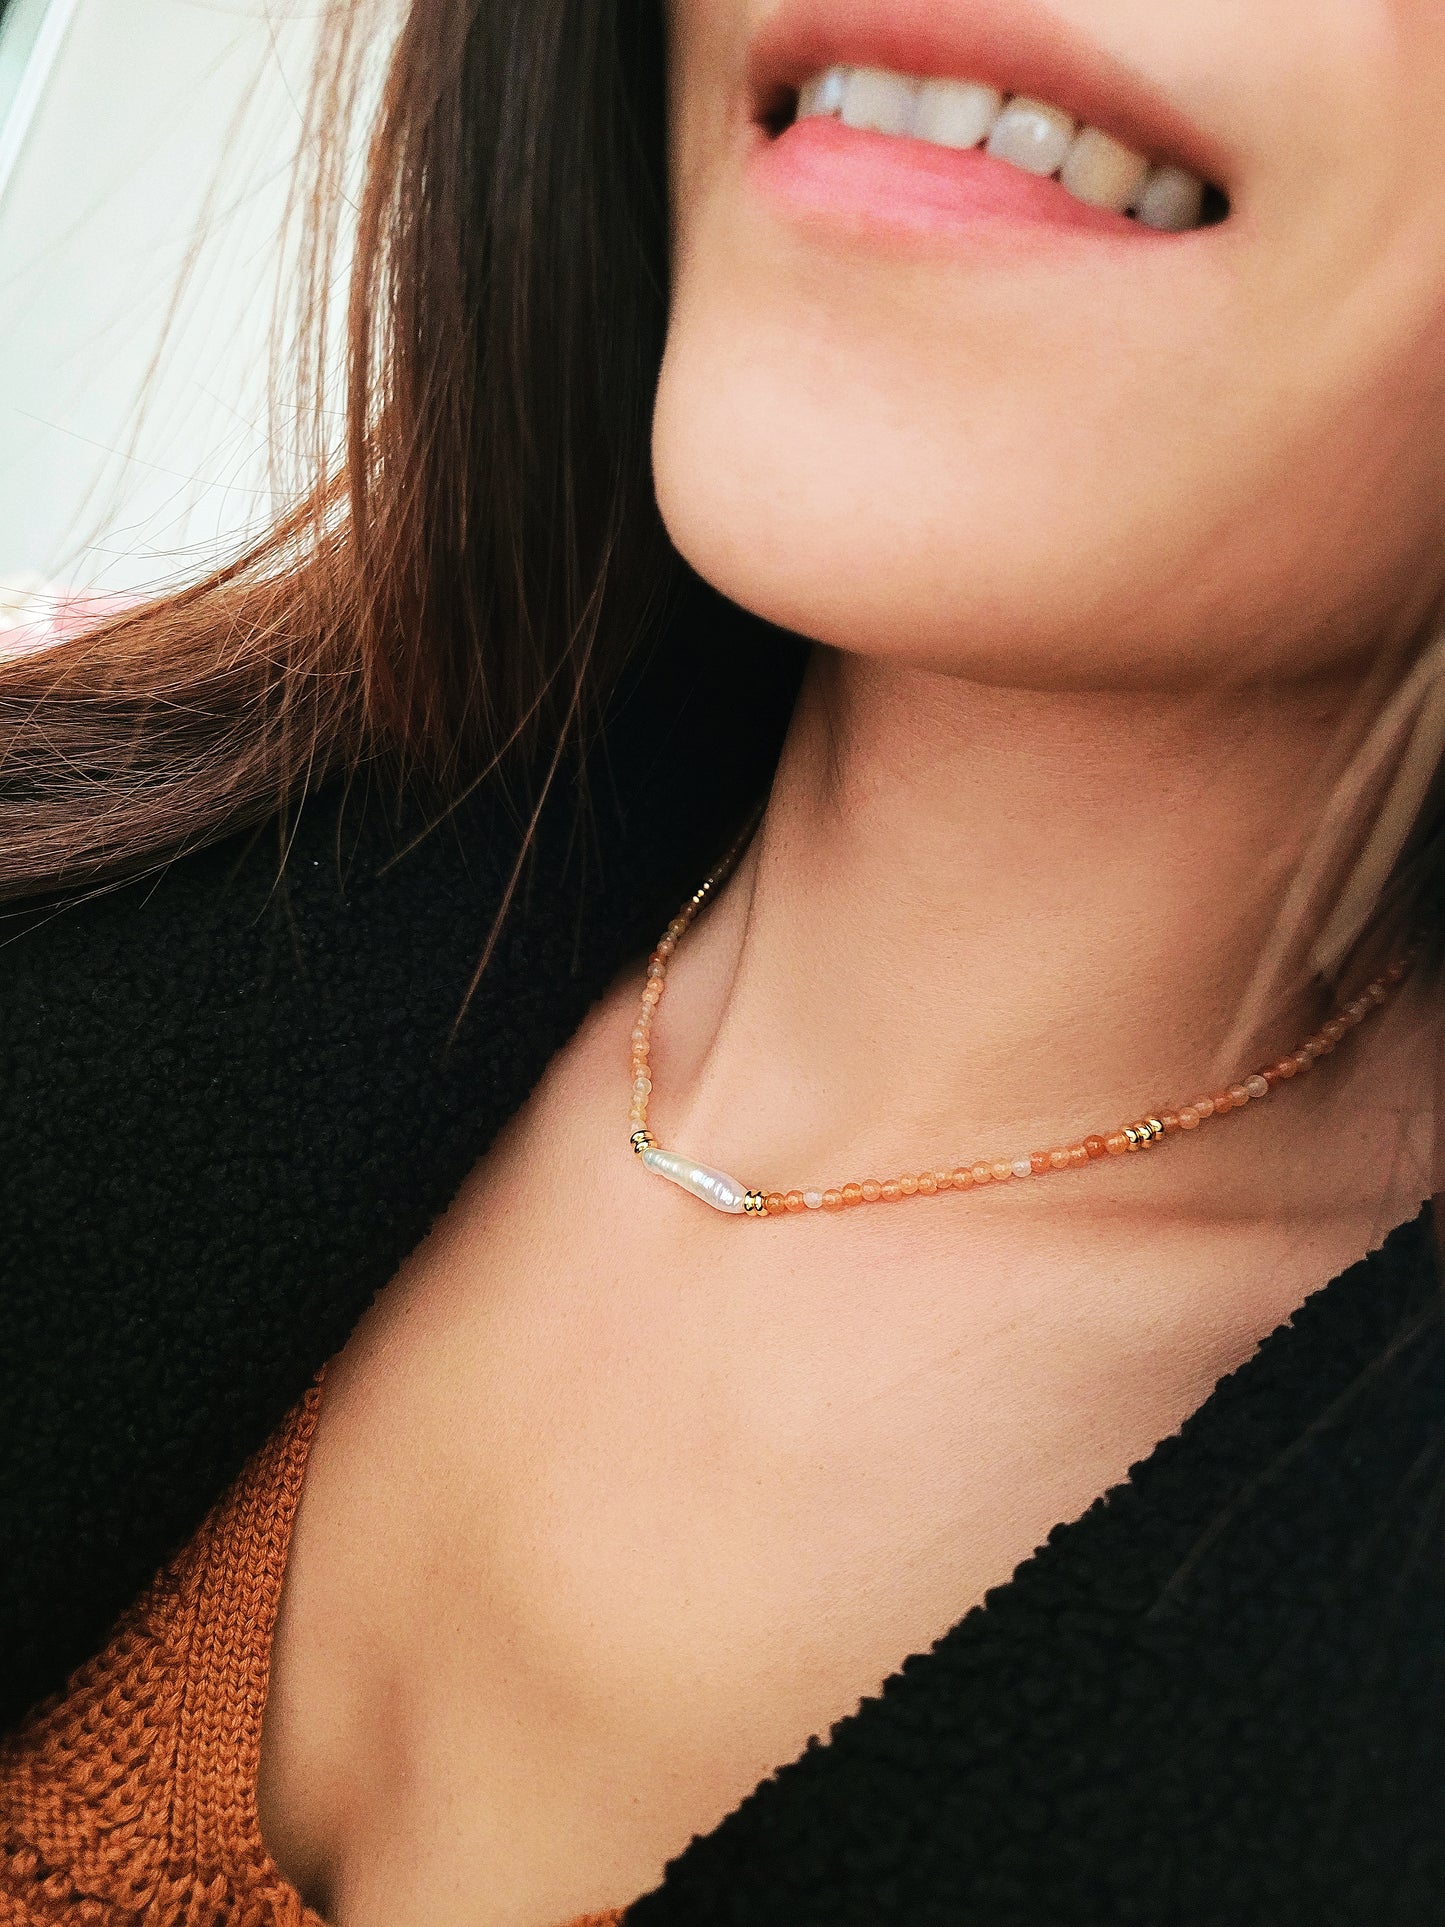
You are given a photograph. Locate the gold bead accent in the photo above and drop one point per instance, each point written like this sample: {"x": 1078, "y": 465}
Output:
{"x": 755, "y": 1205}
{"x": 643, "y": 1141}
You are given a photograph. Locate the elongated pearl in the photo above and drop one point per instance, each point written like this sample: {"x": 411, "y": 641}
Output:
{"x": 713, "y": 1187}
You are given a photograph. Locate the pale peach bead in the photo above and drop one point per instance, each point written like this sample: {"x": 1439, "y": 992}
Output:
{"x": 927, "y": 1184}
{"x": 872, "y": 1190}
{"x": 1303, "y": 1061}
{"x": 1257, "y": 1086}
{"x": 775, "y": 1204}
{"x": 1058, "y": 1160}
{"x": 1223, "y": 1104}
{"x": 1170, "y": 1121}
{"x": 852, "y": 1194}
{"x": 1078, "y": 1156}
{"x": 983, "y": 1174}
{"x": 1239, "y": 1095}
{"x": 832, "y": 1200}
{"x": 1334, "y": 1030}
{"x": 1022, "y": 1167}
{"x": 890, "y": 1190}
{"x": 943, "y": 1180}
{"x": 1002, "y": 1171}
{"x": 1204, "y": 1106}
{"x": 1189, "y": 1119}
{"x": 794, "y": 1202}
{"x": 1116, "y": 1144}
{"x": 963, "y": 1179}
{"x": 908, "y": 1186}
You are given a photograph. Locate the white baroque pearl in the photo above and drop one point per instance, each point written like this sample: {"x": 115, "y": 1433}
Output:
{"x": 713, "y": 1187}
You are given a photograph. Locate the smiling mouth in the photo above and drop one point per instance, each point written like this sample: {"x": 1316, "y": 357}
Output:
{"x": 1022, "y": 132}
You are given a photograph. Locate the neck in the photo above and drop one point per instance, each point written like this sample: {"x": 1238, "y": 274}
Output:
{"x": 975, "y": 921}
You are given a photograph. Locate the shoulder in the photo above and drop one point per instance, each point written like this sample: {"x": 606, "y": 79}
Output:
{"x": 235, "y": 1094}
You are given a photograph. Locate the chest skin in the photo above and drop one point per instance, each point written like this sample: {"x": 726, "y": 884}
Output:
{"x": 614, "y": 1503}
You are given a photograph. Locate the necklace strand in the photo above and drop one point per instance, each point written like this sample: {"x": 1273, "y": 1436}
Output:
{"x": 728, "y": 1194}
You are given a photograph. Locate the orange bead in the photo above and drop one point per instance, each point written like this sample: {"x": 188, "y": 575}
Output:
{"x": 775, "y": 1204}
{"x": 1059, "y": 1160}
{"x": 963, "y": 1179}
{"x": 1095, "y": 1146}
{"x": 1116, "y": 1144}
{"x": 1223, "y": 1104}
{"x": 1189, "y": 1119}
{"x": 1039, "y": 1160}
{"x": 872, "y": 1190}
{"x": 890, "y": 1190}
{"x": 1238, "y": 1096}
{"x": 926, "y": 1184}
{"x": 852, "y": 1194}
{"x": 943, "y": 1180}
{"x": 832, "y": 1200}
{"x": 983, "y": 1174}
{"x": 1170, "y": 1121}
{"x": 1204, "y": 1106}
{"x": 908, "y": 1186}
{"x": 1002, "y": 1170}
{"x": 794, "y": 1201}
{"x": 1078, "y": 1156}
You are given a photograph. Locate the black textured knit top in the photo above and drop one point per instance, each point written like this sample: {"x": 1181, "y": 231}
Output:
{"x": 237, "y": 1093}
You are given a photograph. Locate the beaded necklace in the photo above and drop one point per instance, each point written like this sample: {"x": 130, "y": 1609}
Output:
{"x": 727, "y": 1193}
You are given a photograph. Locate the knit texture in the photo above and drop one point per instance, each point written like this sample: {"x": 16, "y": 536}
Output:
{"x": 1215, "y": 1700}
{"x": 131, "y": 1796}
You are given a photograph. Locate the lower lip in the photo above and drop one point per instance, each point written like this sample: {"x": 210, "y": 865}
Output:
{"x": 846, "y": 175}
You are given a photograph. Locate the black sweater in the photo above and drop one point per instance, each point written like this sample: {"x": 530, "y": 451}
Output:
{"x": 236, "y": 1095}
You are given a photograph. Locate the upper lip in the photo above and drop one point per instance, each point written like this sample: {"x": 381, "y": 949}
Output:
{"x": 1018, "y": 46}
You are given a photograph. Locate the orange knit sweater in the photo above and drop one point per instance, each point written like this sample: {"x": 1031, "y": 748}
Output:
{"x": 129, "y": 1800}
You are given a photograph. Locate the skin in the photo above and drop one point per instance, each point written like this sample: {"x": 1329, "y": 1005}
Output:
{"x": 609, "y": 1510}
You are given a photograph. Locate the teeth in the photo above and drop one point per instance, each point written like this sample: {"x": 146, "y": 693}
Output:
{"x": 1028, "y": 134}
{"x": 1104, "y": 172}
{"x": 1171, "y": 200}
{"x": 879, "y": 101}
{"x": 823, "y": 94}
{"x": 952, "y": 113}
{"x": 1032, "y": 136}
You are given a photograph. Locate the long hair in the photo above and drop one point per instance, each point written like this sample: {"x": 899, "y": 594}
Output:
{"x": 461, "y": 582}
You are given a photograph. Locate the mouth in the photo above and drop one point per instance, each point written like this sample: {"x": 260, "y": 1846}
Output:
{"x": 916, "y": 114}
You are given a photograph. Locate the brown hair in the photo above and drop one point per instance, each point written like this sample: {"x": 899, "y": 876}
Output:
{"x": 462, "y": 585}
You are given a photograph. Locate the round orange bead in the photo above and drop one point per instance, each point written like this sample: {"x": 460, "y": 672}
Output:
{"x": 832, "y": 1200}
{"x": 852, "y": 1194}
{"x": 1040, "y": 1162}
{"x": 1116, "y": 1144}
{"x": 890, "y": 1190}
{"x": 908, "y": 1186}
{"x": 983, "y": 1174}
{"x": 872, "y": 1190}
{"x": 963, "y": 1179}
{"x": 775, "y": 1204}
{"x": 1095, "y": 1146}
{"x": 926, "y": 1184}
{"x": 794, "y": 1201}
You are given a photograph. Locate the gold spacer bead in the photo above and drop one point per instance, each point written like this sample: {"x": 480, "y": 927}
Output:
{"x": 755, "y": 1205}
{"x": 1135, "y": 1137}
{"x": 1155, "y": 1127}
{"x": 643, "y": 1141}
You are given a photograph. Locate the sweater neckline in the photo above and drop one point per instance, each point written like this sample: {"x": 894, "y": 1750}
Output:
{"x": 1331, "y": 1334}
